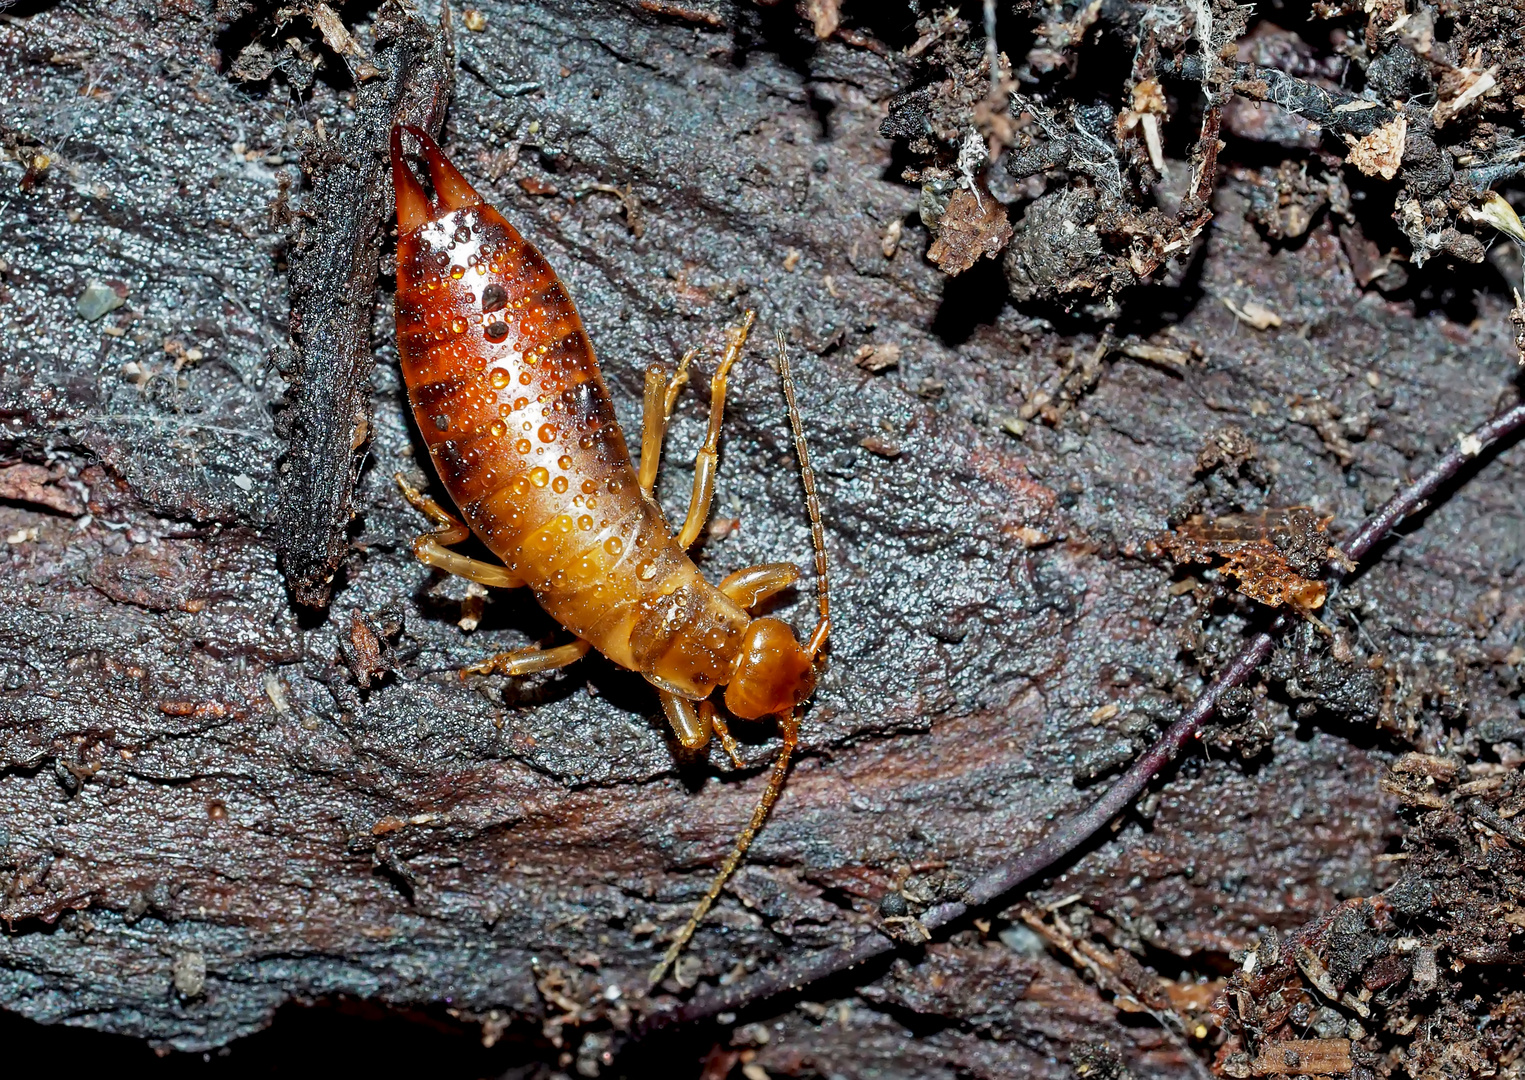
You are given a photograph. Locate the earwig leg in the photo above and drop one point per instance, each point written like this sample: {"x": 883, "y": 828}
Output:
{"x": 709, "y": 454}
{"x": 661, "y": 395}
{"x": 430, "y": 548}
{"x": 790, "y": 728}
{"x": 722, "y": 732}
{"x": 529, "y": 661}
{"x": 695, "y": 723}
{"x": 691, "y": 726}
{"x": 752, "y": 585}
{"x": 429, "y": 551}
{"x": 448, "y": 529}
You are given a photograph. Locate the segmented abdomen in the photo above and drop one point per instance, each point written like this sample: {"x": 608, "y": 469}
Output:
{"x": 507, "y": 394}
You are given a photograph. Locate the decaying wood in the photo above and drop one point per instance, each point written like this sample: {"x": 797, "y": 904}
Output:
{"x": 216, "y": 802}
{"x": 335, "y": 254}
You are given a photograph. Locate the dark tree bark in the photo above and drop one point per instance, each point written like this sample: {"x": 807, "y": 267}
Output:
{"x": 214, "y": 802}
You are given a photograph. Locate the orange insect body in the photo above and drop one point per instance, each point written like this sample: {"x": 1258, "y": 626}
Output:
{"x": 506, "y": 391}
{"x": 508, "y": 396}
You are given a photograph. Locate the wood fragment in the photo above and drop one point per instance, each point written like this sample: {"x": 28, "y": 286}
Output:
{"x": 1381, "y": 152}
{"x": 334, "y": 260}
{"x": 1304, "y": 1057}
{"x": 973, "y": 226}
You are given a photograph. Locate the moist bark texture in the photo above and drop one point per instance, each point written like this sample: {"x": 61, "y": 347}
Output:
{"x": 215, "y": 801}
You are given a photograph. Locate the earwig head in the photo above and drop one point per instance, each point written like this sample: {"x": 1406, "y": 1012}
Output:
{"x": 772, "y": 673}
{"x": 450, "y": 188}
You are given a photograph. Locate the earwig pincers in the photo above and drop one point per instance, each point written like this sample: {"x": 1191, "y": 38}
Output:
{"x": 507, "y": 394}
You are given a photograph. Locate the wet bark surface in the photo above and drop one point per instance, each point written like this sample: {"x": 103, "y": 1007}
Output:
{"x": 217, "y": 802}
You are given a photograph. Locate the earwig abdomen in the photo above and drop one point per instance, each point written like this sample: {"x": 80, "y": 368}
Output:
{"x": 508, "y": 396}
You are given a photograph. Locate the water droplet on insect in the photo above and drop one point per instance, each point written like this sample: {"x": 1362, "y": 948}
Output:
{"x": 565, "y": 461}
{"x": 588, "y": 488}
{"x": 539, "y": 476}
{"x": 457, "y": 326}
{"x": 523, "y": 446}
{"x": 524, "y": 377}
{"x": 586, "y": 442}
{"x": 500, "y": 378}
{"x": 496, "y": 332}
{"x": 521, "y": 403}
{"x": 457, "y": 272}
{"x": 441, "y": 421}
{"x": 498, "y": 429}
{"x": 646, "y": 571}
{"x": 462, "y": 234}
{"x": 591, "y": 503}
{"x": 585, "y": 523}
{"x": 564, "y": 522}
{"x": 614, "y": 545}
{"x": 547, "y": 432}
{"x": 559, "y": 485}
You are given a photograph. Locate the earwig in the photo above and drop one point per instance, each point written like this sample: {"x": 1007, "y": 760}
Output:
{"x": 508, "y": 396}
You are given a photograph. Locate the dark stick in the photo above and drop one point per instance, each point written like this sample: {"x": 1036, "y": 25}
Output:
{"x": 335, "y": 258}
{"x": 1076, "y": 831}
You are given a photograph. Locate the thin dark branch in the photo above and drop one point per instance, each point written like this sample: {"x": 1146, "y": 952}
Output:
{"x": 1334, "y": 110}
{"x": 1063, "y": 841}
{"x": 335, "y": 259}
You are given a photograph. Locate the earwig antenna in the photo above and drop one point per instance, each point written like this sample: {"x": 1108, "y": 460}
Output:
{"x": 790, "y": 725}
{"x": 812, "y": 501}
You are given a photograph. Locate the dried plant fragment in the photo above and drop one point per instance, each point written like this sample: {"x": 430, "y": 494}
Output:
{"x": 1460, "y": 88}
{"x": 877, "y": 358}
{"x": 1304, "y": 1057}
{"x": 1275, "y": 555}
{"x": 824, "y": 15}
{"x": 972, "y": 226}
{"x": 1381, "y": 152}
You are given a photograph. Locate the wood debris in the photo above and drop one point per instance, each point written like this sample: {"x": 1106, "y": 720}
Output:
{"x": 824, "y": 15}
{"x": 1303, "y": 1057}
{"x": 1275, "y": 555}
{"x": 974, "y": 225}
{"x": 1381, "y": 152}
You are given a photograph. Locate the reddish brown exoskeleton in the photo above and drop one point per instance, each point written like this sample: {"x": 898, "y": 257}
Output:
{"x": 508, "y": 396}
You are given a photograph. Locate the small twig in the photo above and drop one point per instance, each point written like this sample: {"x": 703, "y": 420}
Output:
{"x": 992, "y": 54}
{"x": 1064, "y": 840}
{"x": 1334, "y": 110}
{"x": 507, "y": 91}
